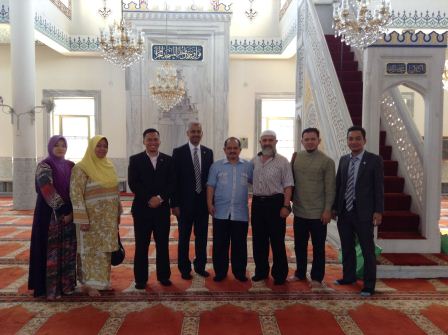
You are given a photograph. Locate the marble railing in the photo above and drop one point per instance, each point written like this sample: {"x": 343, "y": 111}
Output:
{"x": 314, "y": 62}
{"x": 406, "y": 142}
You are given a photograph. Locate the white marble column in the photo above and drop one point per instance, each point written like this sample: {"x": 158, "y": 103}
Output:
{"x": 23, "y": 100}
{"x": 371, "y": 106}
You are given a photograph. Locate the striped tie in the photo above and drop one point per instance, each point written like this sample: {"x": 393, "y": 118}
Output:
{"x": 350, "y": 190}
{"x": 197, "y": 171}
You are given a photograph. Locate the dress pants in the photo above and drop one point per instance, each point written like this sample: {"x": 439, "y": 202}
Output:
{"x": 226, "y": 233}
{"x": 159, "y": 225}
{"x": 197, "y": 218}
{"x": 269, "y": 227}
{"x": 348, "y": 226}
{"x": 303, "y": 228}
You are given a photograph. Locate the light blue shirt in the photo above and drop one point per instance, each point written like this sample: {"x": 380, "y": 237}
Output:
{"x": 231, "y": 182}
{"x": 357, "y": 164}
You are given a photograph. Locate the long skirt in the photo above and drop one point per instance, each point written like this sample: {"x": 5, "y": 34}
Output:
{"x": 94, "y": 269}
{"x": 52, "y": 254}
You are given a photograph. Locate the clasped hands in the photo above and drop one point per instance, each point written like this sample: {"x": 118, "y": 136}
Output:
{"x": 154, "y": 202}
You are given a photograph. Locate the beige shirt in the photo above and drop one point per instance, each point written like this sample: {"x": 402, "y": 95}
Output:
{"x": 272, "y": 176}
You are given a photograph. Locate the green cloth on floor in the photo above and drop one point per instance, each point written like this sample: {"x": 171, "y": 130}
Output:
{"x": 360, "y": 258}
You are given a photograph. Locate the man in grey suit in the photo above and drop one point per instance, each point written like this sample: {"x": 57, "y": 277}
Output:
{"x": 359, "y": 205}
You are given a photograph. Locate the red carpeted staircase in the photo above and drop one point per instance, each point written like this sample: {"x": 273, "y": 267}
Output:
{"x": 398, "y": 221}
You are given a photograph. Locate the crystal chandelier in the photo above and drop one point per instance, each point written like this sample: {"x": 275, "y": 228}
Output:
{"x": 445, "y": 76}
{"x": 121, "y": 46}
{"x": 168, "y": 90}
{"x": 355, "y": 23}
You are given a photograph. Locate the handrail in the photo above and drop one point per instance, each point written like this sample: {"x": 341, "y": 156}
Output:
{"x": 330, "y": 109}
{"x": 406, "y": 143}
{"x": 413, "y": 133}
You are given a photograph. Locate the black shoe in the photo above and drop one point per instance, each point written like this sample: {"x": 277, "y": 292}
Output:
{"x": 343, "y": 281}
{"x": 241, "y": 278}
{"x": 186, "y": 276}
{"x": 140, "y": 286}
{"x": 258, "y": 278}
{"x": 165, "y": 282}
{"x": 202, "y": 273}
{"x": 299, "y": 276}
{"x": 219, "y": 278}
{"x": 367, "y": 292}
{"x": 279, "y": 281}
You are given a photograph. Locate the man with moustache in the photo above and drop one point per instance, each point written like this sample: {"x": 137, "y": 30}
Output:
{"x": 359, "y": 205}
{"x": 314, "y": 191}
{"x": 192, "y": 162}
{"x": 272, "y": 188}
{"x": 151, "y": 179}
{"x": 227, "y": 197}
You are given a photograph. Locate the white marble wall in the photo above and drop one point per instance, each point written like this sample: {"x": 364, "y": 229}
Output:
{"x": 121, "y": 166}
{"x": 206, "y": 81}
{"x": 6, "y": 168}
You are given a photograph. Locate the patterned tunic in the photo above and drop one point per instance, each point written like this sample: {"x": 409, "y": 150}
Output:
{"x": 100, "y": 208}
{"x": 53, "y": 242}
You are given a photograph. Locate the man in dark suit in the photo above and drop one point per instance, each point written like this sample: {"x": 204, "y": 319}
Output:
{"x": 359, "y": 205}
{"x": 192, "y": 162}
{"x": 151, "y": 179}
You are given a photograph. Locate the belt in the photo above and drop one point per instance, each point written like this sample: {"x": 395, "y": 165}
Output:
{"x": 268, "y": 197}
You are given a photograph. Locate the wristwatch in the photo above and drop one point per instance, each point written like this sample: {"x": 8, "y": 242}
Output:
{"x": 288, "y": 207}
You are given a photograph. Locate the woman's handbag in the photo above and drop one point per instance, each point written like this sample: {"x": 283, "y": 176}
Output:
{"x": 117, "y": 256}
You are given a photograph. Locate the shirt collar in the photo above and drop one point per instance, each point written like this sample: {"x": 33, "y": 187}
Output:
{"x": 152, "y": 157}
{"x": 226, "y": 161}
{"x": 260, "y": 153}
{"x": 192, "y": 146}
{"x": 359, "y": 156}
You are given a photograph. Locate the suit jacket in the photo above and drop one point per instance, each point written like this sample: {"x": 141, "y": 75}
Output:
{"x": 369, "y": 187}
{"x": 184, "y": 194}
{"x": 145, "y": 182}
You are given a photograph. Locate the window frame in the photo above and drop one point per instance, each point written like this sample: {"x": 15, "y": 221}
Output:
{"x": 95, "y": 94}
{"x": 258, "y": 117}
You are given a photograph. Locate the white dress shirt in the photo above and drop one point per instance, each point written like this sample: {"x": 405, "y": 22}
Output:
{"x": 192, "y": 153}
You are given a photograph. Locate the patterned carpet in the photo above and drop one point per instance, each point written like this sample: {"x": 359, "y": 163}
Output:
{"x": 201, "y": 306}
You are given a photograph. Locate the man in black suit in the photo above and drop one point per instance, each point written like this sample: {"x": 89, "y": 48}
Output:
{"x": 359, "y": 205}
{"x": 151, "y": 179}
{"x": 192, "y": 162}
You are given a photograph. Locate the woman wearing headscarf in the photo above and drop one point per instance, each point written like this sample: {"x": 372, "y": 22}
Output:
{"x": 52, "y": 268}
{"x": 96, "y": 211}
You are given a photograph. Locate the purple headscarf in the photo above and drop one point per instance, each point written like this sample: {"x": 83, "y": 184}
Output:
{"x": 61, "y": 167}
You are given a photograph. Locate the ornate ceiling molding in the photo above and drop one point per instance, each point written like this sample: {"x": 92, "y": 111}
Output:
{"x": 413, "y": 40}
{"x": 172, "y": 16}
{"x": 256, "y": 46}
{"x": 4, "y": 14}
{"x": 417, "y": 20}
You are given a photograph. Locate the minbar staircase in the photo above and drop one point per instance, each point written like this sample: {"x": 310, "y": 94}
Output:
{"x": 398, "y": 221}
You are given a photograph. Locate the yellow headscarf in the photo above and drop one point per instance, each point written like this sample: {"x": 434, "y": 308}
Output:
{"x": 100, "y": 170}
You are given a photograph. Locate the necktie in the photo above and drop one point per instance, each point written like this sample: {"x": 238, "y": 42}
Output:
{"x": 350, "y": 190}
{"x": 197, "y": 171}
